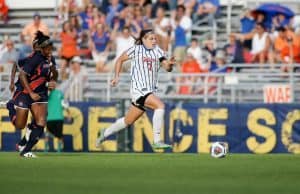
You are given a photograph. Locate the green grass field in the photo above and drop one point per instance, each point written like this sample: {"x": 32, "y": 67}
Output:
{"x": 109, "y": 173}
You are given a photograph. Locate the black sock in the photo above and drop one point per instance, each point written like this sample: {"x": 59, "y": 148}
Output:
{"x": 23, "y": 141}
{"x": 36, "y": 133}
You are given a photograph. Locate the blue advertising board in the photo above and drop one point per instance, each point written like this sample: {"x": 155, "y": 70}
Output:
{"x": 192, "y": 127}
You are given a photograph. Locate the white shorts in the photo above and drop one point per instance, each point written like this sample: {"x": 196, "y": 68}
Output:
{"x": 99, "y": 57}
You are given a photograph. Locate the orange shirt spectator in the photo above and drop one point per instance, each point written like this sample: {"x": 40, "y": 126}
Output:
{"x": 3, "y": 10}
{"x": 68, "y": 42}
{"x": 31, "y": 28}
{"x": 189, "y": 66}
{"x": 288, "y": 51}
{"x": 281, "y": 40}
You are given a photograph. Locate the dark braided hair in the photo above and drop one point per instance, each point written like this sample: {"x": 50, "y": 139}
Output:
{"x": 41, "y": 40}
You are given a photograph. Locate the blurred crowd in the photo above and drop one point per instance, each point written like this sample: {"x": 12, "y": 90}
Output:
{"x": 100, "y": 30}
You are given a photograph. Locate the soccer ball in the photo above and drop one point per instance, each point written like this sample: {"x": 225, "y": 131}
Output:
{"x": 218, "y": 149}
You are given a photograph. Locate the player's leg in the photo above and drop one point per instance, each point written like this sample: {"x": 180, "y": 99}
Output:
{"x": 59, "y": 135}
{"x": 158, "y": 106}
{"x": 131, "y": 116}
{"x": 55, "y": 128}
{"x": 39, "y": 112}
{"x": 25, "y": 138}
{"x": 18, "y": 109}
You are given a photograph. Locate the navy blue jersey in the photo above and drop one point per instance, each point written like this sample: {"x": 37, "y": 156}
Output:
{"x": 37, "y": 68}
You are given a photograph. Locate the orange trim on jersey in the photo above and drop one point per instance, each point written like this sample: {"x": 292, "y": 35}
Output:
{"x": 34, "y": 84}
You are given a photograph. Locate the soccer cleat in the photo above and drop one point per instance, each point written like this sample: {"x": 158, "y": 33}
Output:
{"x": 19, "y": 148}
{"x": 161, "y": 145}
{"x": 100, "y": 139}
{"x": 28, "y": 155}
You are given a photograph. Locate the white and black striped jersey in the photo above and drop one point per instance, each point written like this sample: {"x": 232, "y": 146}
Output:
{"x": 145, "y": 64}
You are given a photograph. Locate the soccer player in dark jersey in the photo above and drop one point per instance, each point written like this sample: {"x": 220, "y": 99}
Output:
{"x": 32, "y": 92}
{"x": 36, "y": 49}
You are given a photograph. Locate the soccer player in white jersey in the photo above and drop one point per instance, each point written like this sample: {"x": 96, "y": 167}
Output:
{"x": 146, "y": 59}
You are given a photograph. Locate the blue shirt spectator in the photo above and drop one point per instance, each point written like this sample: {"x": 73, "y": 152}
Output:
{"x": 101, "y": 41}
{"x": 180, "y": 37}
{"x": 247, "y": 25}
{"x": 113, "y": 11}
{"x": 85, "y": 18}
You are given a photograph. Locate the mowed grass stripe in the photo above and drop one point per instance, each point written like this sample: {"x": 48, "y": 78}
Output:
{"x": 114, "y": 173}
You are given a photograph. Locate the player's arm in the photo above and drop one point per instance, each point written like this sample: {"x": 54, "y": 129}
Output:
{"x": 12, "y": 77}
{"x": 118, "y": 67}
{"x": 167, "y": 64}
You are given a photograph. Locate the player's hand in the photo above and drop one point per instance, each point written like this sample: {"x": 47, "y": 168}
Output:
{"x": 51, "y": 85}
{"x": 172, "y": 60}
{"x": 114, "y": 81}
{"x": 12, "y": 87}
{"x": 34, "y": 96}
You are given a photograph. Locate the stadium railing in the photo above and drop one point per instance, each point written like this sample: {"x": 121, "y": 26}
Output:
{"x": 243, "y": 84}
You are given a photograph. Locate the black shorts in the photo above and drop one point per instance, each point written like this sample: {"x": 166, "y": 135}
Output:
{"x": 24, "y": 101}
{"x": 55, "y": 128}
{"x": 140, "y": 102}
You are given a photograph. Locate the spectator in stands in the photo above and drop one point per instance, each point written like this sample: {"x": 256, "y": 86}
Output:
{"x": 68, "y": 49}
{"x": 25, "y": 48}
{"x": 234, "y": 50}
{"x": 100, "y": 48}
{"x": 9, "y": 57}
{"x": 279, "y": 21}
{"x": 190, "y": 5}
{"x": 122, "y": 41}
{"x": 74, "y": 22}
{"x": 78, "y": 80}
{"x": 190, "y": 65}
{"x": 31, "y": 28}
{"x": 181, "y": 25}
{"x": 140, "y": 18}
{"x": 113, "y": 11}
{"x": 160, "y": 3}
{"x": 247, "y": 22}
{"x": 3, "y": 47}
{"x": 247, "y": 26}
{"x": 126, "y": 18}
{"x": 3, "y": 11}
{"x": 86, "y": 16}
{"x": 218, "y": 65}
{"x": 84, "y": 46}
{"x": 280, "y": 42}
{"x": 290, "y": 53}
{"x": 196, "y": 51}
{"x": 162, "y": 28}
{"x": 209, "y": 52}
{"x": 208, "y": 8}
{"x": 66, "y": 8}
{"x": 97, "y": 18}
{"x": 261, "y": 43}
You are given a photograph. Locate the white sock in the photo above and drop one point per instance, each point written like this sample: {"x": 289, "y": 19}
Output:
{"x": 27, "y": 133}
{"x": 157, "y": 120}
{"x": 115, "y": 127}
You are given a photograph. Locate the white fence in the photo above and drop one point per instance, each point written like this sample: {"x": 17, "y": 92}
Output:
{"x": 241, "y": 87}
